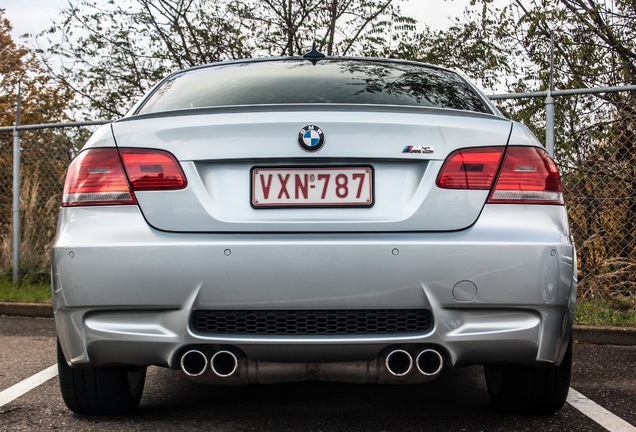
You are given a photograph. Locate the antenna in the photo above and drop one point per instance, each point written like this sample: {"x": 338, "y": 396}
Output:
{"x": 314, "y": 55}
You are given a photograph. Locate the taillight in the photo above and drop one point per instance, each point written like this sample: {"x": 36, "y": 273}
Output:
{"x": 528, "y": 175}
{"x": 97, "y": 176}
{"x": 152, "y": 170}
{"x": 470, "y": 168}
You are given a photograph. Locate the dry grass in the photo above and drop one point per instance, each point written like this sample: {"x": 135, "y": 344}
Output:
{"x": 38, "y": 214}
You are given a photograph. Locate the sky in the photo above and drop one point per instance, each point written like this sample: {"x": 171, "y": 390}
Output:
{"x": 30, "y": 16}
{"x": 33, "y": 16}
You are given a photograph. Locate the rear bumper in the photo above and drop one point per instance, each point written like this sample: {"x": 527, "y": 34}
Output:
{"x": 502, "y": 290}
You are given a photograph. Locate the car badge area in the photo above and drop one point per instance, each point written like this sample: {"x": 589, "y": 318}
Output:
{"x": 311, "y": 138}
{"x": 418, "y": 149}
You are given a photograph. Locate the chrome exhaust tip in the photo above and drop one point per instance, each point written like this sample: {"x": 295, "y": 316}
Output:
{"x": 194, "y": 363}
{"x": 398, "y": 362}
{"x": 429, "y": 362}
{"x": 224, "y": 364}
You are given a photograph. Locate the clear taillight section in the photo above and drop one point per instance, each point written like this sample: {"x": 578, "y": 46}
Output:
{"x": 527, "y": 175}
{"x": 98, "y": 177}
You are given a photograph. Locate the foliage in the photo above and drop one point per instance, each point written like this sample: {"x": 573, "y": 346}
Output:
{"x": 594, "y": 46}
{"x": 339, "y": 27}
{"x": 27, "y": 292}
{"x": 42, "y": 101}
{"x": 604, "y": 312}
{"x": 112, "y": 54}
{"x": 481, "y": 44}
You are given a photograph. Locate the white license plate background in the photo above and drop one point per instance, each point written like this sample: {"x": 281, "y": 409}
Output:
{"x": 312, "y": 186}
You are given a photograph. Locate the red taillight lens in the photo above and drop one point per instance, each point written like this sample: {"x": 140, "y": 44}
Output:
{"x": 96, "y": 177}
{"x": 470, "y": 168}
{"x": 528, "y": 175}
{"x": 152, "y": 170}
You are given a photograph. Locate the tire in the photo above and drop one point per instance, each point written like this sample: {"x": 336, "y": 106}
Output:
{"x": 527, "y": 389}
{"x": 100, "y": 390}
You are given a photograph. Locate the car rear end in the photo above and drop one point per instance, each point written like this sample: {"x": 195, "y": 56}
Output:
{"x": 351, "y": 220}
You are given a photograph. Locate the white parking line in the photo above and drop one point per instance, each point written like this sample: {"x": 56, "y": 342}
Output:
{"x": 27, "y": 385}
{"x": 600, "y": 415}
{"x": 597, "y": 413}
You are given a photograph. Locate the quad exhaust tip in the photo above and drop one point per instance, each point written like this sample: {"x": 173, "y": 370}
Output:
{"x": 429, "y": 362}
{"x": 194, "y": 363}
{"x": 398, "y": 362}
{"x": 224, "y": 363}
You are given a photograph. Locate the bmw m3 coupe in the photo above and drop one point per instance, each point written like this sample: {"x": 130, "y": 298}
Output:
{"x": 313, "y": 218}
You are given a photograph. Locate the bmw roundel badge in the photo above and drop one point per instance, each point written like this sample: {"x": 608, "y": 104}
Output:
{"x": 311, "y": 138}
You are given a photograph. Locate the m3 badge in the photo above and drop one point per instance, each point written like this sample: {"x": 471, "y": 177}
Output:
{"x": 418, "y": 149}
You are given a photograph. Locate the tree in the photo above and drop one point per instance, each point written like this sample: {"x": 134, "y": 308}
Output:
{"x": 112, "y": 54}
{"x": 594, "y": 46}
{"x": 339, "y": 27}
{"x": 42, "y": 100}
{"x": 45, "y": 155}
{"x": 481, "y": 44}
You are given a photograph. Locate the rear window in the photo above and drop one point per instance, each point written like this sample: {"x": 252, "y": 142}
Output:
{"x": 301, "y": 82}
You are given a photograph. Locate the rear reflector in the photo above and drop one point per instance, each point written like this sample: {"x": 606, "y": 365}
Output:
{"x": 527, "y": 174}
{"x": 97, "y": 176}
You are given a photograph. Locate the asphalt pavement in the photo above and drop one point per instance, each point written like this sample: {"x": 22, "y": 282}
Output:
{"x": 602, "y": 373}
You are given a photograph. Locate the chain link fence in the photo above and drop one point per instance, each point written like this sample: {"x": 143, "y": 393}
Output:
{"x": 595, "y": 148}
{"x": 45, "y": 155}
{"x": 598, "y": 161}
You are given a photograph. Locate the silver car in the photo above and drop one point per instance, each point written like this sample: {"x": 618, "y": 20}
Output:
{"x": 316, "y": 218}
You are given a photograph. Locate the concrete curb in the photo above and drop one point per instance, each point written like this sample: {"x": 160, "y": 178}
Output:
{"x": 605, "y": 335}
{"x": 32, "y": 310}
{"x": 582, "y": 334}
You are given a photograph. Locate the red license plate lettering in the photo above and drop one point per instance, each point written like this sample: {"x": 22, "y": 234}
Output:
{"x": 312, "y": 187}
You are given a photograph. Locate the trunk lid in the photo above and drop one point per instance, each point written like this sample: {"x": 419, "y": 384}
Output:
{"x": 220, "y": 151}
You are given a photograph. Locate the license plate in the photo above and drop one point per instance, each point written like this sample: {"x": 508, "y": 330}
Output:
{"x": 312, "y": 187}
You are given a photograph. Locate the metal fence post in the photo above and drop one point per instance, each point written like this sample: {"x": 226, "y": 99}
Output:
{"x": 549, "y": 104}
{"x": 16, "y": 192}
{"x": 549, "y": 124}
